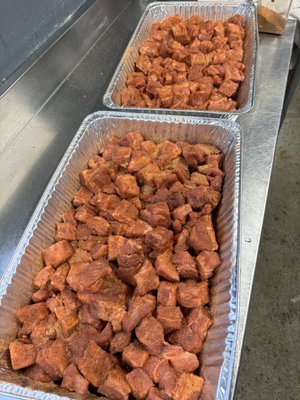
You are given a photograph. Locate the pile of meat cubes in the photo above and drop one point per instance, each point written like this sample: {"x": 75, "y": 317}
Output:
{"x": 192, "y": 64}
{"x": 122, "y": 305}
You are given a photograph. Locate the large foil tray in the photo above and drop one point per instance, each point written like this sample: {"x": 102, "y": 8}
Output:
{"x": 16, "y": 285}
{"x": 207, "y": 9}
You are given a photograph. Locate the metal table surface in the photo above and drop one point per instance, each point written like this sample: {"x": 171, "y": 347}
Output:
{"x": 39, "y": 117}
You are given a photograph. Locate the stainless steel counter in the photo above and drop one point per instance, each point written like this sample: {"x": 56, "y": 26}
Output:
{"x": 39, "y": 117}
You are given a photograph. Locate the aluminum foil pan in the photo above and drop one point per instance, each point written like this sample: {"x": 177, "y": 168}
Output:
{"x": 16, "y": 284}
{"x": 207, "y": 9}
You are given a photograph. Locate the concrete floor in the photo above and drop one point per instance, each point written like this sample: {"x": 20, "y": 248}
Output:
{"x": 270, "y": 365}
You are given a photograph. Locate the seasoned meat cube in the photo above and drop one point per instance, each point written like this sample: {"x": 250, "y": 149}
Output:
{"x": 79, "y": 341}
{"x": 119, "y": 342}
{"x": 132, "y": 139}
{"x": 152, "y": 367}
{"x": 58, "y": 279}
{"x": 139, "y": 307}
{"x": 40, "y": 295}
{"x": 108, "y": 148}
{"x": 148, "y": 146}
{"x": 114, "y": 245}
{"x": 83, "y": 232}
{"x": 139, "y": 382}
{"x": 74, "y": 381}
{"x": 94, "y": 179}
{"x": 167, "y": 293}
{"x": 197, "y": 59}
{"x": 235, "y": 55}
{"x": 199, "y": 179}
{"x": 221, "y": 104}
{"x": 188, "y": 387}
{"x": 234, "y": 74}
{"x": 180, "y": 33}
{"x": 37, "y": 373}
{"x": 181, "y": 212}
{"x": 181, "y": 241}
{"x": 150, "y": 48}
{"x": 170, "y": 317}
{"x": 137, "y": 229}
{"x": 80, "y": 256}
{"x": 202, "y": 235}
{"x": 44, "y": 330}
{"x": 125, "y": 212}
{"x": 98, "y": 226}
{"x": 57, "y": 253}
{"x": 127, "y": 186}
{"x": 143, "y": 63}
{"x": 146, "y": 279}
{"x": 52, "y": 357}
{"x": 193, "y": 155}
{"x": 181, "y": 92}
{"x": 185, "y": 265}
{"x": 151, "y": 334}
{"x": 65, "y": 231}
{"x": 136, "y": 79}
{"x": 157, "y": 214}
{"x": 87, "y": 315}
{"x": 154, "y": 394}
{"x": 43, "y": 276}
{"x": 228, "y": 87}
{"x": 165, "y": 268}
{"x": 135, "y": 355}
{"x": 202, "y": 195}
{"x": 191, "y": 336}
{"x": 161, "y": 196}
{"x": 139, "y": 159}
{"x": 167, "y": 378}
{"x": 105, "y": 335}
{"x": 168, "y": 151}
{"x": 207, "y": 262}
{"x": 166, "y": 95}
{"x": 159, "y": 238}
{"x": 68, "y": 216}
{"x": 115, "y": 386}
{"x": 95, "y": 364}
{"x": 83, "y": 196}
{"x": 22, "y": 354}
{"x": 121, "y": 155}
{"x": 130, "y": 261}
{"x": 164, "y": 179}
{"x": 30, "y": 315}
{"x": 105, "y": 202}
{"x": 192, "y": 294}
{"x": 181, "y": 361}
{"x": 175, "y": 199}
{"x": 99, "y": 251}
{"x": 109, "y": 310}
{"x": 132, "y": 97}
{"x": 146, "y": 175}
{"x": 67, "y": 317}
{"x": 196, "y": 72}
{"x": 206, "y": 46}
{"x": 147, "y": 192}
{"x": 88, "y": 276}
{"x": 85, "y": 212}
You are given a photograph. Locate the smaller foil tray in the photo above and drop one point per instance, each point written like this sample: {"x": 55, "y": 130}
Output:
{"x": 208, "y": 10}
{"x": 16, "y": 285}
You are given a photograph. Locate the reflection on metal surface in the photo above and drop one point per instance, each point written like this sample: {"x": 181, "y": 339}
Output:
{"x": 16, "y": 284}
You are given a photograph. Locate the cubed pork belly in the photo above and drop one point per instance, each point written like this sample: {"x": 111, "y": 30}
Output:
{"x": 207, "y": 262}
{"x": 159, "y": 238}
{"x": 146, "y": 279}
{"x": 165, "y": 268}
{"x": 167, "y": 293}
{"x": 139, "y": 382}
{"x": 127, "y": 186}
{"x": 185, "y": 265}
{"x": 170, "y": 317}
{"x": 53, "y": 359}
{"x": 115, "y": 386}
{"x": 58, "y": 253}
{"x": 151, "y": 334}
{"x": 202, "y": 235}
{"x": 74, "y": 381}
{"x": 192, "y": 294}
{"x": 30, "y": 315}
{"x": 135, "y": 355}
{"x": 22, "y": 354}
{"x": 138, "y": 308}
{"x": 188, "y": 387}
{"x": 119, "y": 341}
{"x": 95, "y": 364}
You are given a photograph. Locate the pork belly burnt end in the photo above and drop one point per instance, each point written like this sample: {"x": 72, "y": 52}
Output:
{"x": 121, "y": 304}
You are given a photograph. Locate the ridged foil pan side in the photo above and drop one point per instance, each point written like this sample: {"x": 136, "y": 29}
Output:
{"x": 16, "y": 284}
{"x": 207, "y": 9}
